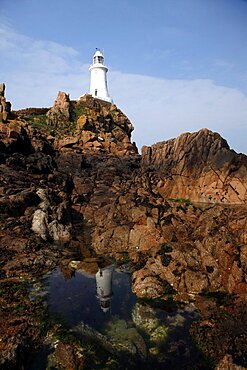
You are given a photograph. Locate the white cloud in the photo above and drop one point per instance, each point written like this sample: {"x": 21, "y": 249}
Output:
{"x": 34, "y": 71}
{"x": 162, "y": 109}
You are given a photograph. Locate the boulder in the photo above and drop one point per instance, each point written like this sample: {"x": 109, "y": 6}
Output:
{"x": 40, "y": 223}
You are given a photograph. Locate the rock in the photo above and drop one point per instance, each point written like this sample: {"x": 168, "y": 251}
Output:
{"x": 89, "y": 125}
{"x": 69, "y": 356}
{"x": 128, "y": 216}
{"x": 43, "y": 195}
{"x": 225, "y": 319}
{"x": 14, "y": 138}
{"x": 145, "y": 237}
{"x": 5, "y": 107}
{"x": 16, "y": 204}
{"x": 198, "y": 166}
{"x": 40, "y": 223}
{"x": 59, "y": 232}
{"x": 126, "y": 338}
{"x": 66, "y": 143}
{"x": 146, "y": 284}
{"x": 2, "y": 89}
{"x": 60, "y": 112}
{"x": 88, "y": 186}
{"x": 103, "y": 127}
{"x": 227, "y": 364}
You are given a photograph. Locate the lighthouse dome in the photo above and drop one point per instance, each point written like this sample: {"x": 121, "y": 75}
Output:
{"x": 98, "y": 57}
{"x": 98, "y": 53}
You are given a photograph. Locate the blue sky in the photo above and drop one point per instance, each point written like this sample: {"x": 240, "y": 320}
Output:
{"x": 174, "y": 65}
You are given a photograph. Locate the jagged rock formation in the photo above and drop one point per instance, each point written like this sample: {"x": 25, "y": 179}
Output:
{"x": 125, "y": 198}
{"x": 60, "y": 113}
{"x": 95, "y": 125}
{"x": 192, "y": 249}
{"x": 86, "y": 174}
{"x": 199, "y": 166}
{"x": 5, "y": 106}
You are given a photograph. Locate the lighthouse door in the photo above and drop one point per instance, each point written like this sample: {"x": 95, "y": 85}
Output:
{"x": 96, "y": 92}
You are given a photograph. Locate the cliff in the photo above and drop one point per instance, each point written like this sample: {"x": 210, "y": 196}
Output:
{"x": 199, "y": 166}
{"x": 88, "y": 125}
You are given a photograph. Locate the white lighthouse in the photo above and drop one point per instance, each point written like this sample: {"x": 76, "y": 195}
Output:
{"x": 98, "y": 82}
{"x": 104, "y": 287}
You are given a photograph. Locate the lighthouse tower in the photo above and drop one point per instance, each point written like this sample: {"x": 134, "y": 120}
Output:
{"x": 98, "y": 82}
{"x": 104, "y": 287}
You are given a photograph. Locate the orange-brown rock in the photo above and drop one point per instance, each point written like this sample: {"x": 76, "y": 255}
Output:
{"x": 194, "y": 249}
{"x": 102, "y": 127}
{"x": 90, "y": 125}
{"x": 227, "y": 364}
{"x": 60, "y": 113}
{"x": 86, "y": 177}
{"x": 5, "y": 106}
{"x": 198, "y": 166}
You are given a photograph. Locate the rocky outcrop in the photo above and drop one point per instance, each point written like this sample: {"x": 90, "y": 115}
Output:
{"x": 103, "y": 128}
{"x": 172, "y": 245}
{"x": 86, "y": 177}
{"x": 198, "y": 166}
{"x": 13, "y": 139}
{"x": 90, "y": 125}
{"x": 5, "y": 106}
{"x": 60, "y": 113}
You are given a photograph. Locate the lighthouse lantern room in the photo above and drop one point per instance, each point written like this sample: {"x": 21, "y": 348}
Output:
{"x": 98, "y": 82}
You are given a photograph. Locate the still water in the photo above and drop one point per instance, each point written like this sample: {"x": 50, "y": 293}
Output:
{"x": 104, "y": 303}
{"x": 77, "y": 299}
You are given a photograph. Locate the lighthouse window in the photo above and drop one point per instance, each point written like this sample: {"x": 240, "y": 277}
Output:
{"x": 96, "y": 92}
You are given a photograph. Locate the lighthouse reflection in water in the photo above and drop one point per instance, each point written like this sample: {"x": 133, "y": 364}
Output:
{"x": 92, "y": 294}
{"x": 104, "y": 287}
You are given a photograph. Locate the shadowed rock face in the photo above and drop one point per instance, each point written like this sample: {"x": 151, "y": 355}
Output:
{"x": 199, "y": 166}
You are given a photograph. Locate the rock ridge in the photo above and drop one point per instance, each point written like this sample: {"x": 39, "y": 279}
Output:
{"x": 199, "y": 166}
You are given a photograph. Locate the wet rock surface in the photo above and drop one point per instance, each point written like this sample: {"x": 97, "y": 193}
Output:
{"x": 84, "y": 188}
{"x": 224, "y": 317}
